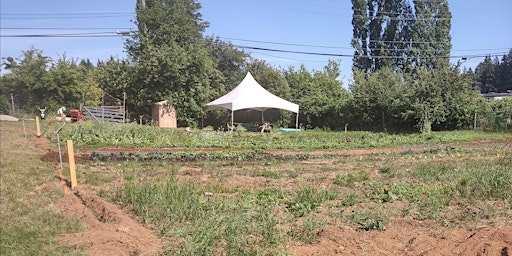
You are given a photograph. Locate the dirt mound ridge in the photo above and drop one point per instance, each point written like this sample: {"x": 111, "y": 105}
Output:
{"x": 109, "y": 229}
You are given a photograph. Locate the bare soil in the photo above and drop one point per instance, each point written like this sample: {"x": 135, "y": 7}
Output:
{"x": 110, "y": 230}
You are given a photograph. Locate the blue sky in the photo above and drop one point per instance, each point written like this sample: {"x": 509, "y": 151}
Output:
{"x": 478, "y": 28}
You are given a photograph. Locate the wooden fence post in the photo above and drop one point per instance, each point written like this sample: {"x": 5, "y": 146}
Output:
{"x": 72, "y": 167}
{"x": 38, "y": 127}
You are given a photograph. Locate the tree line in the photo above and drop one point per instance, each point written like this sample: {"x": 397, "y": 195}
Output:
{"x": 400, "y": 82}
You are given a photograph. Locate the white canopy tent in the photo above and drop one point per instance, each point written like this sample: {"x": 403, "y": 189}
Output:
{"x": 251, "y": 95}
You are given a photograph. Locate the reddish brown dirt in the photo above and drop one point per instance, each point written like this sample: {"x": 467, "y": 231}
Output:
{"x": 408, "y": 237}
{"x": 111, "y": 231}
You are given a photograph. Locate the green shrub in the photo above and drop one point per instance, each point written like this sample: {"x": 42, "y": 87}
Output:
{"x": 307, "y": 199}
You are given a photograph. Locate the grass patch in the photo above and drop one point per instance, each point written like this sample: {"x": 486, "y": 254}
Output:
{"x": 349, "y": 179}
{"x": 307, "y": 198}
{"x": 205, "y": 222}
{"x": 29, "y": 221}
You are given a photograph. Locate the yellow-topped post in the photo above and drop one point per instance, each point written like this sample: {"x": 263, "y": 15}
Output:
{"x": 38, "y": 127}
{"x": 72, "y": 167}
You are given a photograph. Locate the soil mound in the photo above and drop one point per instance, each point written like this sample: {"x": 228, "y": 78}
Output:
{"x": 109, "y": 230}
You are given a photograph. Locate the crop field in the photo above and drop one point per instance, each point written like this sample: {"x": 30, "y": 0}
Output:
{"x": 144, "y": 190}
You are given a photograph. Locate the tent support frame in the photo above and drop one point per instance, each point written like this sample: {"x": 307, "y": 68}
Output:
{"x": 232, "y": 119}
{"x": 297, "y": 121}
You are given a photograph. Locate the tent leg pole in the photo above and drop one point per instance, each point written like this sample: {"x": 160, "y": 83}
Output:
{"x": 297, "y": 121}
{"x": 232, "y": 127}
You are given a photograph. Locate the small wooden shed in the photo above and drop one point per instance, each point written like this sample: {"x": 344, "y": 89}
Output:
{"x": 164, "y": 115}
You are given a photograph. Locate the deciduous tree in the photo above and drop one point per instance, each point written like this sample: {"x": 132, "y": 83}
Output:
{"x": 173, "y": 60}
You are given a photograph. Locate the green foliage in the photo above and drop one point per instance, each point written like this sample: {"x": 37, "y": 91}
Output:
{"x": 368, "y": 221}
{"x": 321, "y": 97}
{"x": 380, "y": 29}
{"x": 487, "y": 183}
{"x": 93, "y": 134}
{"x": 114, "y": 76}
{"x": 350, "y": 200}
{"x": 270, "y": 174}
{"x": 494, "y": 75}
{"x": 207, "y": 224}
{"x": 380, "y": 99}
{"x": 37, "y": 81}
{"x": 307, "y": 198}
{"x": 173, "y": 59}
{"x": 349, "y": 179}
{"x": 272, "y": 196}
{"x": 307, "y": 233}
{"x": 477, "y": 181}
{"x": 28, "y": 79}
{"x": 432, "y": 24}
{"x": 495, "y": 114}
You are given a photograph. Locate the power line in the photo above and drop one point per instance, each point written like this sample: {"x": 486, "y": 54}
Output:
{"x": 350, "y": 48}
{"x": 127, "y": 33}
{"x": 94, "y": 34}
{"x": 286, "y": 58}
{"x": 69, "y": 28}
{"x": 367, "y": 56}
{"x": 64, "y": 15}
{"x": 290, "y": 44}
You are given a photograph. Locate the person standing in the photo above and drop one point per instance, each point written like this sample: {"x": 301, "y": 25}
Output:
{"x": 60, "y": 112}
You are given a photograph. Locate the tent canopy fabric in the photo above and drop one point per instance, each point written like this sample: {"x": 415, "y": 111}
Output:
{"x": 251, "y": 95}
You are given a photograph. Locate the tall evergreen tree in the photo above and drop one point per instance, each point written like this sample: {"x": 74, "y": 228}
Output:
{"x": 486, "y": 74}
{"x": 382, "y": 33}
{"x": 504, "y": 73}
{"x": 400, "y": 34}
{"x": 431, "y": 40}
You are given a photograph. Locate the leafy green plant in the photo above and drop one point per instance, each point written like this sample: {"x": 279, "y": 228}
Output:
{"x": 93, "y": 134}
{"x": 350, "y": 200}
{"x": 307, "y": 199}
{"x": 269, "y": 174}
{"x": 367, "y": 221}
{"x": 349, "y": 179}
{"x": 272, "y": 196}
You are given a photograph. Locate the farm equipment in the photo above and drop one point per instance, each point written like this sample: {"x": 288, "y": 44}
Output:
{"x": 76, "y": 115}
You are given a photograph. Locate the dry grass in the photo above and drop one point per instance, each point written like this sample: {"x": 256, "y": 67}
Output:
{"x": 28, "y": 190}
